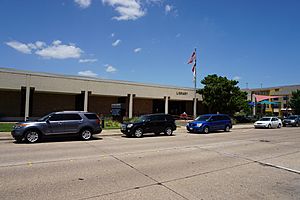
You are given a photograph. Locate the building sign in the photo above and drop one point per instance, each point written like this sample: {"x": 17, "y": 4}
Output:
{"x": 181, "y": 93}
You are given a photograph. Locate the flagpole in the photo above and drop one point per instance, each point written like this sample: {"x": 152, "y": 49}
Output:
{"x": 195, "y": 84}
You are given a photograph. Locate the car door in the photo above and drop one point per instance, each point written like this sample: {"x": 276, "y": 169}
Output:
{"x": 213, "y": 124}
{"x": 71, "y": 122}
{"x": 148, "y": 124}
{"x": 274, "y": 122}
{"x": 55, "y": 124}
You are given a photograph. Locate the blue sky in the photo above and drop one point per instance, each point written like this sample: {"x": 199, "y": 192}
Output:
{"x": 150, "y": 41}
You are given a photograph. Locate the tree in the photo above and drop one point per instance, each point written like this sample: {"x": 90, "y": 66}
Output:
{"x": 295, "y": 102}
{"x": 223, "y": 95}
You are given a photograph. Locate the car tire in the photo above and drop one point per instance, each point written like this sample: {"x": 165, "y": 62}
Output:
{"x": 297, "y": 124}
{"x": 85, "y": 134}
{"x": 32, "y": 136}
{"x": 269, "y": 126}
{"x": 227, "y": 128}
{"x": 138, "y": 133}
{"x": 206, "y": 130}
{"x": 279, "y": 125}
{"x": 168, "y": 131}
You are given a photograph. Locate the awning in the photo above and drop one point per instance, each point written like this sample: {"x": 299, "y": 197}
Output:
{"x": 263, "y": 97}
{"x": 268, "y": 102}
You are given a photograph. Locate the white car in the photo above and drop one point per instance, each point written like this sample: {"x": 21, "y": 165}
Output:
{"x": 268, "y": 122}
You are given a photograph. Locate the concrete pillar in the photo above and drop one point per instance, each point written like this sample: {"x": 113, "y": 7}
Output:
{"x": 27, "y": 98}
{"x": 166, "y": 104}
{"x": 254, "y": 106}
{"x": 195, "y": 108}
{"x": 86, "y": 100}
{"x": 130, "y": 111}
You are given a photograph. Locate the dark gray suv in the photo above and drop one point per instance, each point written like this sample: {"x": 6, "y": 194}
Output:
{"x": 83, "y": 124}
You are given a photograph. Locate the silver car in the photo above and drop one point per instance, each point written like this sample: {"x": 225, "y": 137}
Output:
{"x": 268, "y": 122}
{"x": 83, "y": 124}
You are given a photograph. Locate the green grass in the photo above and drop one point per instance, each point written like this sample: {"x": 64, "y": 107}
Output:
{"x": 6, "y": 127}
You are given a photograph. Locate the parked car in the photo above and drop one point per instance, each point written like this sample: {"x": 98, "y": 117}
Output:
{"x": 268, "y": 122}
{"x": 210, "y": 122}
{"x": 83, "y": 124}
{"x": 152, "y": 123}
{"x": 293, "y": 120}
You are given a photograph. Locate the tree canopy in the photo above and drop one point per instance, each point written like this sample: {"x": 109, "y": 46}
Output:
{"x": 295, "y": 102}
{"x": 223, "y": 95}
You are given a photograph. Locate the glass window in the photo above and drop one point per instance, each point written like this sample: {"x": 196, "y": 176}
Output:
{"x": 56, "y": 117}
{"x": 71, "y": 117}
{"x": 91, "y": 116}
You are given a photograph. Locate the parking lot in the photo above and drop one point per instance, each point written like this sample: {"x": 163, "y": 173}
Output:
{"x": 245, "y": 163}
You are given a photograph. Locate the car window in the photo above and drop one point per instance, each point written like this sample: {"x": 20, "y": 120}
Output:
{"x": 56, "y": 117}
{"x": 169, "y": 118}
{"x": 213, "y": 118}
{"x": 71, "y": 117}
{"x": 158, "y": 118}
{"x": 91, "y": 116}
{"x": 274, "y": 119}
{"x": 265, "y": 119}
{"x": 203, "y": 118}
{"x": 65, "y": 117}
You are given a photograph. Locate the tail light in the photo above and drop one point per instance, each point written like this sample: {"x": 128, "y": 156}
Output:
{"x": 98, "y": 121}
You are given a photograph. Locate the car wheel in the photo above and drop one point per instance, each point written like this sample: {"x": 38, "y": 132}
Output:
{"x": 297, "y": 124}
{"x": 138, "y": 133}
{"x": 32, "y": 136}
{"x": 206, "y": 130}
{"x": 86, "y": 134}
{"x": 269, "y": 126}
{"x": 279, "y": 126}
{"x": 227, "y": 128}
{"x": 168, "y": 131}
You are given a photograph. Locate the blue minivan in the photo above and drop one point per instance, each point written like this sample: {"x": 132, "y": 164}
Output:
{"x": 210, "y": 122}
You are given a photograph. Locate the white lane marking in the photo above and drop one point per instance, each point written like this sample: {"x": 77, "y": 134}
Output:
{"x": 280, "y": 167}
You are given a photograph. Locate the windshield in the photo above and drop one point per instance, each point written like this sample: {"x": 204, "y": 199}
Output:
{"x": 203, "y": 118}
{"x": 292, "y": 117}
{"x": 265, "y": 119}
{"x": 44, "y": 118}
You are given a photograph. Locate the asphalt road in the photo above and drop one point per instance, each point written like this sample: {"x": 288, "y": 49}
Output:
{"x": 242, "y": 164}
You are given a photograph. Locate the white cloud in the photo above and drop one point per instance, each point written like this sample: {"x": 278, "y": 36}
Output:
{"x": 127, "y": 9}
{"x": 237, "y": 78}
{"x": 56, "y": 42}
{"x": 83, "y": 3}
{"x": 168, "y": 8}
{"x": 19, "y": 46}
{"x": 56, "y": 50}
{"x": 113, "y": 35}
{"x": 137, "y": 50}
{"x": 116, "y": 43}
{"x": 88, "y": 60}
{"x": 60, "y": 51}
{"x": 110, "y": 69}
{"x": 40, "y": 44}
{"x": 87, "y": 73}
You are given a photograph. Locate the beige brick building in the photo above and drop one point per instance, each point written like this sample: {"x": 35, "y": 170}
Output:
{"x": 30, "y": 94}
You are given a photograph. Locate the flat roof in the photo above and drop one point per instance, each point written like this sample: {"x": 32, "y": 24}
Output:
{"x": 46, "y": 74}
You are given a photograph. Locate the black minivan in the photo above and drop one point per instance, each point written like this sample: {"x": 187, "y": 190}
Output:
{"x": 151, "y": 123}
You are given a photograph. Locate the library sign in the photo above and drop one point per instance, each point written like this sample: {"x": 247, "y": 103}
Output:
{"x": 182, "y": 93}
